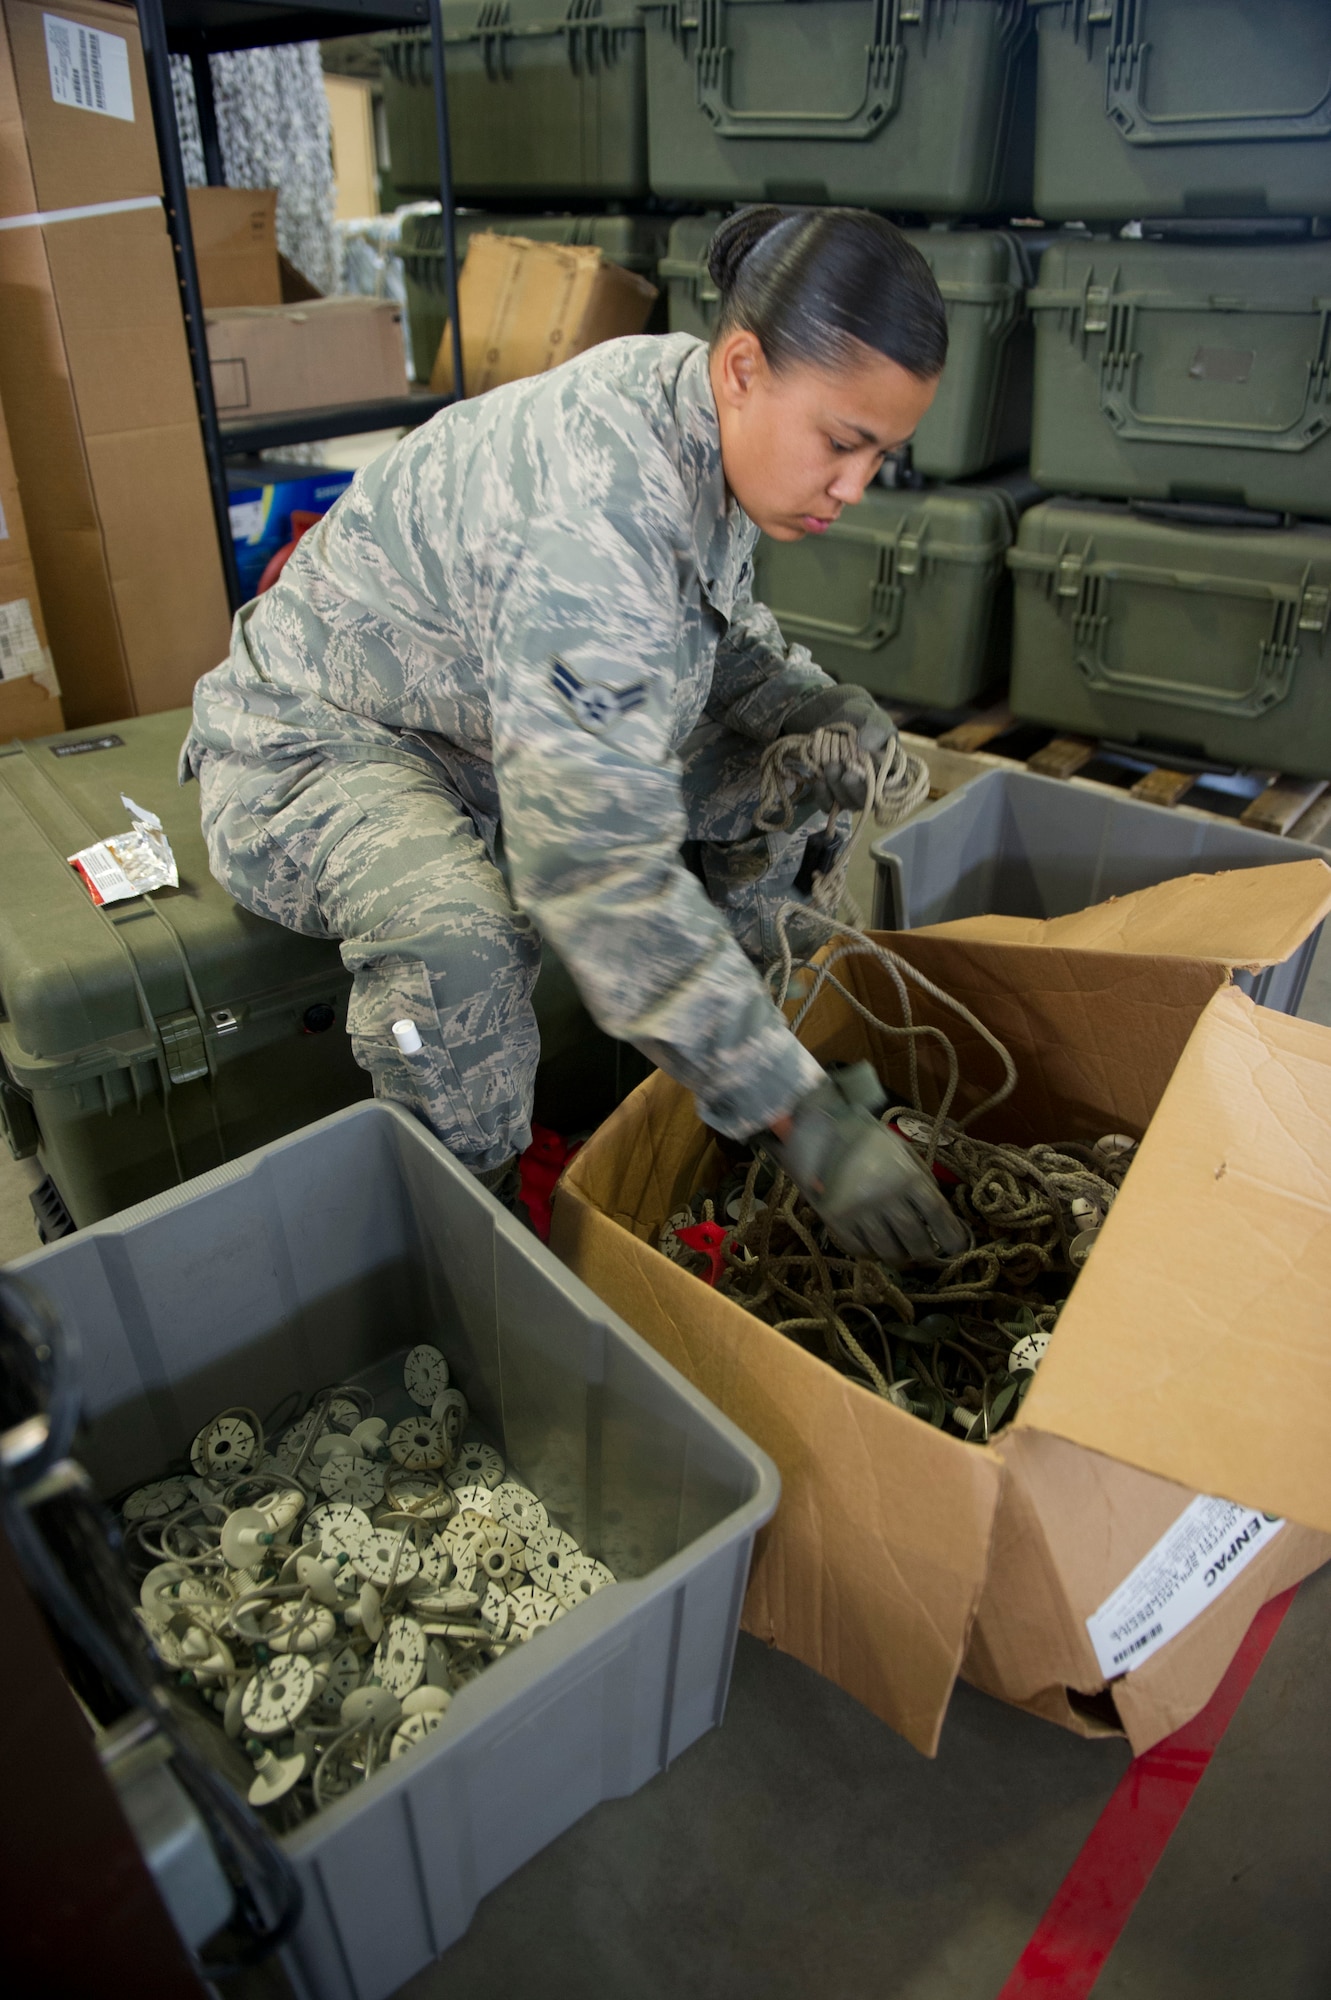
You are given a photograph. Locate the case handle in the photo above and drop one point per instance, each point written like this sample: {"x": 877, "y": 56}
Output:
{"x": 1125, "y": 81}
{"x": 885, "y": 61}
{"x": 1118, "y": 369}
{"x": 1082, "y": 588}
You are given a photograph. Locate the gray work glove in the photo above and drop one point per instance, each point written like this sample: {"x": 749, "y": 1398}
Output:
{"x": 857, "y": 709}
{"x": 876, "y": 1197}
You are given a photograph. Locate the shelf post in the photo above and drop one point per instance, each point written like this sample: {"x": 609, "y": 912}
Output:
{"x": 437, "y": 68}
{"x": 152, "y": 27}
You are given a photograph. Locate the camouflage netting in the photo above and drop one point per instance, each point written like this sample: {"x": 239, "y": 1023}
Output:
{"x": 272, "y": 120}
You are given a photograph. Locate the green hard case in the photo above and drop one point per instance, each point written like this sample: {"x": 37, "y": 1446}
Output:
{"x": 1185, "y": 371}
{"x": 1208, "y": 641}
{"x": 920, "y": 105}
{"x": 1182, "y": 107}
{"x": 906, "y": 594}
{"x": 542, "y": 104}
{"x": 981, "y": 416}
{"x": 635, "y": 241}
{"x": 154, "y": 1039}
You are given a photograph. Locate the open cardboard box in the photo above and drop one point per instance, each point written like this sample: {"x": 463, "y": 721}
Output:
{"x": 525, "y": 307}
{"x": 1193, "y": 1357}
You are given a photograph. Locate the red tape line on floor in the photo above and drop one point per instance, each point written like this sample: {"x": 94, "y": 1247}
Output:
{"x": 1083, "y": 1923}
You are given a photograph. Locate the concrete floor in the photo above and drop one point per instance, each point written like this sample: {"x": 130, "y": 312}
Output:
{"x": 803, "y": 1848}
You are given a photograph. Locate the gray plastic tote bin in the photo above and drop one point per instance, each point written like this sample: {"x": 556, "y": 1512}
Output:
{"x": 1185, "y": 371}
{"x": 311, "y": 1260}
{"x": 1182, "y": 107}
{"x": 1011, "y": 844}
{"x": 635, "y": 241}
{"x": 912, "y": 107}
{"x": 546, "y": 102}
{"x": 1204, "y": 641}
{"x": 907, "y": 594}
{"x": 981, "y": 415}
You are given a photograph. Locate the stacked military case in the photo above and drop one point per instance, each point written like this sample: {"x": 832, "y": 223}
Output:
{"x": 546, "y": 104}
{"x": 1182, "y": 598}
{"x": 149, "y": 1040}
{"x": 916, "y": 111}
{"x": 902, "y": 105}
{"x": 547, "y": 109}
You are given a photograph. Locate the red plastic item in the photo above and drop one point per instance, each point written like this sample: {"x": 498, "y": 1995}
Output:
{"x": 539, "y": 1170}
{"x": 301, "y": 523}
{"x": 710, "y": 1239}
{"x": 943, "y": 1175}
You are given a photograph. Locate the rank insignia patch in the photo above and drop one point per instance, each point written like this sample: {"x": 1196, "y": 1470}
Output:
{"x": 595, "y": 706}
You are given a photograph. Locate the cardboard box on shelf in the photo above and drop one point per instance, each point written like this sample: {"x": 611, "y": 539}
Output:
{"x": 268, "y": 359}
{"x": 94, "y": 371}
{"x": 526, "y": 307}
{"x": 235, "y": 243}
{"x": 29, "y": 692}
{"x": 901, "y": 1556}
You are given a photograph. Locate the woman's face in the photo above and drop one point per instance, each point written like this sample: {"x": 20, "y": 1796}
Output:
{"x": 800, "y": 445}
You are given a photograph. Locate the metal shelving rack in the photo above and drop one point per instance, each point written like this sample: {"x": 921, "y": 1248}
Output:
{"x": 199, "y": 29}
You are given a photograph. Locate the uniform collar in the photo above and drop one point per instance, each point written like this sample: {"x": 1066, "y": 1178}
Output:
{"x": 723, "y": 534}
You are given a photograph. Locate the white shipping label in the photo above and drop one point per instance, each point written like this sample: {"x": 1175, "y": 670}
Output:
{"x": 4, "y": 526}
{"x": 1211, "y": 1542}
{"x": 89, "y": 68}
{"x": 20, "y": 648}
{"x": 247, "y": 520}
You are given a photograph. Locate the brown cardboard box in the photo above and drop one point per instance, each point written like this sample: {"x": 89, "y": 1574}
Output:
{"x": 94, "y": 373}
{"x": 29, "y": 693}
{"x": 901, "y": 1556}
{"x": 235, "y": 243}
{"x": 303, "y": 357}
{"x": 526, "y": 307}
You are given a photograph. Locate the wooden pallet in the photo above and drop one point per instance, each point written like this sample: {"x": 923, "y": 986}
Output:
{"x": 1297, "y": 807}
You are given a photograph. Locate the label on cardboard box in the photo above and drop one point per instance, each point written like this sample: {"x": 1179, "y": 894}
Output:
{"x": 20, "y": 648}
{"x": 1211, "y": 1542}
{"x": 89, "y": 68}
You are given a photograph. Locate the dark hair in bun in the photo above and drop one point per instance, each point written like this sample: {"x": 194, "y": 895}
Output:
{"x": 812, "y": 283}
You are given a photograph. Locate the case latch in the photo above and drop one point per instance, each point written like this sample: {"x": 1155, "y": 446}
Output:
{"x": 182, "y": 1045}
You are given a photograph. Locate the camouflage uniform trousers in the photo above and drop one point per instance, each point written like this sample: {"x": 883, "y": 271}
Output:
{"x": 387, "y": 858}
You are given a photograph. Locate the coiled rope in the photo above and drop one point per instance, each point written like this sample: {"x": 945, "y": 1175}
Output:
{"x": 895, "y": 784}
{"x": 954, "y": 1342}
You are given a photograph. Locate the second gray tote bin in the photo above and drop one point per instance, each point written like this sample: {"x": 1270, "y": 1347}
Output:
{"x": 1011, "y": 844}
{"x": 313, "y": 1259}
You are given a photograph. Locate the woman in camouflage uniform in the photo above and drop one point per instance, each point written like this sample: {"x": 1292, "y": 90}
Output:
{"x": 517, "y": 669}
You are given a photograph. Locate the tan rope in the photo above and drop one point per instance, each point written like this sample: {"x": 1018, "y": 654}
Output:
{"x": 895, "y": 785}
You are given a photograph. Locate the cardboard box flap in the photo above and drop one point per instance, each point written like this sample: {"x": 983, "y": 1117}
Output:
{"x": 1245, "y": 917}
{"x": 917, "y": 1563}
{"x": 1217, "y": 1372}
